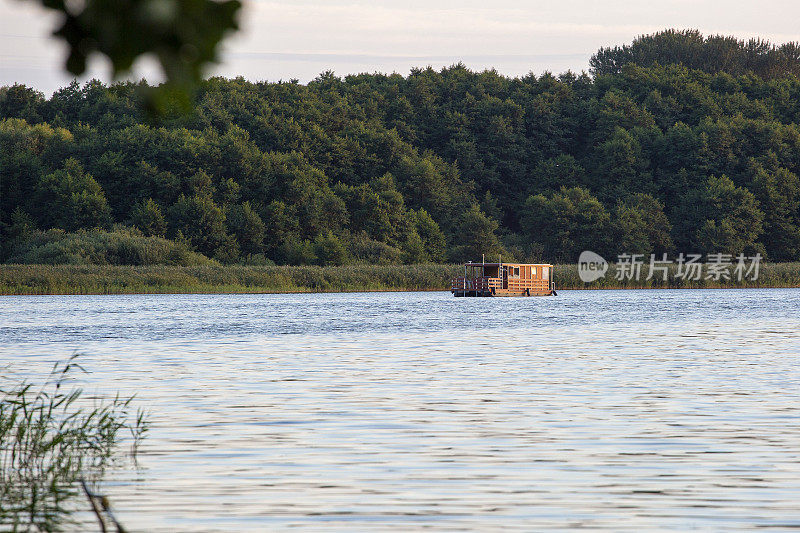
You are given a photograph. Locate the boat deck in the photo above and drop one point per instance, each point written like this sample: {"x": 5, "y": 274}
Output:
{"x": 499, "y": 279}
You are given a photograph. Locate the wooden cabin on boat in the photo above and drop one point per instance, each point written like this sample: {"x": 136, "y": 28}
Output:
{"x": 504, "y": 279}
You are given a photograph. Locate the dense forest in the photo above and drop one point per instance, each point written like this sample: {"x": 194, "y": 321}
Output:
{"x": 676, "y": 142}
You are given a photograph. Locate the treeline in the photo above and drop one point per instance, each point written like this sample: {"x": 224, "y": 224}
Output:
{"x": 643, "y": 157}
{"x": 714, "y": 53}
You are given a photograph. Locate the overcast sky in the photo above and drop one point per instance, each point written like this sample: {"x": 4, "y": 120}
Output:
{"x": 301, "y": 38}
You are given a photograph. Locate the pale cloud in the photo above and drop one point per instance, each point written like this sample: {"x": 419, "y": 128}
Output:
{"x": 430, "y": 28}
{"x": 435, "y": 23}
{"x": 300, "y": 38}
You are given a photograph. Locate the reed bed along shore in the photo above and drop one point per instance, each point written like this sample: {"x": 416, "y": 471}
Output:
{"x": 69, "y": 279}
{"x": 73, "y": 279}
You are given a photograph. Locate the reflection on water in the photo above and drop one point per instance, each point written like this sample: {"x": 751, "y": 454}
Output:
{"x": 619, "y": 410}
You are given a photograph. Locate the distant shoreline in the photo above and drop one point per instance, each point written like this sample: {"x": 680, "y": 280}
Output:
{"x": 237, "y": 279}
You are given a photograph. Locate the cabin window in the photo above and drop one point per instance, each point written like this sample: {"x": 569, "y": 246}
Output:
{"x": 533, "y": 272}
{"x": 515, "y": 271}
{"x": 545, "y": 273}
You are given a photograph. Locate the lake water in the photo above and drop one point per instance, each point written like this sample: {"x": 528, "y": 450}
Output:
{"x": 615, "y": 410}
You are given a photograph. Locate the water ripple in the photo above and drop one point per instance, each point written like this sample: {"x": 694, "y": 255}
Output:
{"x": 616, "y": 410}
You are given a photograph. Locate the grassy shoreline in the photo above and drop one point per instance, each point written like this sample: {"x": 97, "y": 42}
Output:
{"x": 234, "y": 279}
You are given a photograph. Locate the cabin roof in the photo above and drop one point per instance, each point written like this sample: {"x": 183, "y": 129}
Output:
{"x": 506, "y": 264}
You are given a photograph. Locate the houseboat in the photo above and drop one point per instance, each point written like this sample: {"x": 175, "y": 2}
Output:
{"x": 504, "y": 279}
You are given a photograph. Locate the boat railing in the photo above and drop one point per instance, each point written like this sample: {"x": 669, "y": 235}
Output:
{"x": 481, "y": 283}
{"x": 485, "y": 283}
